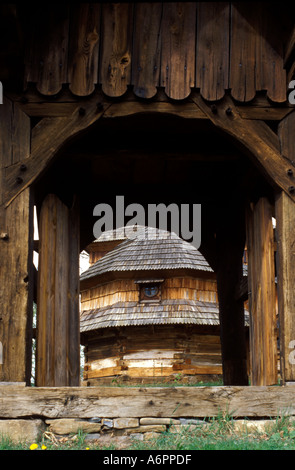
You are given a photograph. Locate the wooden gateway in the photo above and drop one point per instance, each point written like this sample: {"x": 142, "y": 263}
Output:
{"x": 160, "y": 102}
{"x": 149, "y": 310}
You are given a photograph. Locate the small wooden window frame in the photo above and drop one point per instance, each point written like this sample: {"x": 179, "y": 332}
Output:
{"x": 142, "y": 284}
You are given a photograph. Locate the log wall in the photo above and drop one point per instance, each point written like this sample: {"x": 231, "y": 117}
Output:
{"x": 149, "y": 354}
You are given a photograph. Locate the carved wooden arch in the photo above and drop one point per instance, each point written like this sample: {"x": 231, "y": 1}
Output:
{"x": 52, "y": 133}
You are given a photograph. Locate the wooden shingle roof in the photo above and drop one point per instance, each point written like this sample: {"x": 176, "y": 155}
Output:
{"x": 147, "y": 249}
{"x": 184, "y": 312}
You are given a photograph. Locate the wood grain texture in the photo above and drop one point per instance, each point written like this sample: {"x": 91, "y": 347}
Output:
{"x": 146, "y": 49}
{"x": 262, "y": 297}
{"x": 125, "y": 402}
{"x": 212, "y": 54}
{"x": 16, "y": 289}
{"x": 57, "y": 353}
{"x": 178, "y": 45}
{"x": 285, "y": 225}
{"x": 116, "y": 53}
{"x": 178, "y": 49}
{"x": 84, "y": 49}
{"x": 16, "y": 228}
{"x": 243, "y": 52}
{"x": 46, "y": 60}
{"x": 146, "y": 352}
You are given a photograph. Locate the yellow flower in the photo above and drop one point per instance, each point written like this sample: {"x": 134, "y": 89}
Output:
{"x": 33, "y": 446}
{"x": 86, "y": 448}
{"x": 43, "y": 447}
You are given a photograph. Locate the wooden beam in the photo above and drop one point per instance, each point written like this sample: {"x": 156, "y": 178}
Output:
{"x": 285, "y": 235}
{"x": 58, "y": 349}
{"x": 257, "y": 138}
{"x": 285, "y": 228}
{"x": 16, "y": 253}
{"x": 48, "y": 137}
{"x": 125, "y": 402}
{"x": 262, "y": 296}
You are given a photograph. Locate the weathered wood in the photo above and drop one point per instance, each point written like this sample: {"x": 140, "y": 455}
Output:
{"x": 259, "y": 141}
{"x": 270, "y": 72}
{"x": 83, "y": 48}
{"x": 46, "y": 61}
{"x": 146, "y": 49}
{"x": 178, "y": 49}
{"x": 48, "y": 136}
{"x": 135, "y": 402}
{"x": 16, "y": 290}
{"x": 16, "y": 248}
{"x": 212, "y": 55}
{"x": 115, "y": 66}
{"x": 262, "y": 295}
{"x": 285, "y": 256}
{"x": 243, "y": 52}
{"x": 285, "y": 225}
{"x": 57, "y": 353}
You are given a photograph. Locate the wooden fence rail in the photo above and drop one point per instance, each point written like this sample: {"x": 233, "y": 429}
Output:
{"x": 202, "y": 402}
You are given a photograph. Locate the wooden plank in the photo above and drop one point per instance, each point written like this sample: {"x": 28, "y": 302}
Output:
{"x": 57, "y": 352}
{"x": 16, "y": 291}
{"x": 212, "y": 55}
{"x": 16, "y": 127}
{"x": 178, "y": 49}
{"x": 129, "y": 402}
{"x": 116, "y": 39}
{"x": 262, "y": 295}
{"x": 270, "y": 72}
{"x": 46, "y": 62}
{"x": 146, "y": 49}
{"x": 16, "y": 248}
{"x": 243, "y": 52}
{"x": 184, "y": 110}
{"x": 285, "y": 223}
{"x": 84, "y": 48}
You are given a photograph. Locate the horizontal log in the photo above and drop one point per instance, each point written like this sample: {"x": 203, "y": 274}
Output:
{"x": 110, "y": 402}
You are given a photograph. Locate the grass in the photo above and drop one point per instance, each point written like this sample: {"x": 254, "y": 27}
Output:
{"x": 218, "y": 434}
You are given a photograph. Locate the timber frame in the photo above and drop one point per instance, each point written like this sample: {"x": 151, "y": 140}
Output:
{"x": 36, "y": 131}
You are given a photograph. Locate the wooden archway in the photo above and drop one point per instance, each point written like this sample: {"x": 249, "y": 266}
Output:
{"x": 273, "y": 154}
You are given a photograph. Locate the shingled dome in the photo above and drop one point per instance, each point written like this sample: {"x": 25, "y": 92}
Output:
{"x": 147, "y": 248}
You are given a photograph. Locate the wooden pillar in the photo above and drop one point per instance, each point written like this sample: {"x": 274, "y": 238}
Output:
{"x": 58, "y": 344}
{"x": 230, "y": 244}
{"x": 285, "y": 237}
{"x": 16, "y": 251}
{"x": 262, "y": 296}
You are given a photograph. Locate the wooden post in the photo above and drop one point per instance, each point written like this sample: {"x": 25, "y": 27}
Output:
{"x": 58, "y": 345}
{"x": 230, "y": 243}
{"x": 16, "y": 251}
{"x": 262, "y": 297}
{"x": 285, "y": 237}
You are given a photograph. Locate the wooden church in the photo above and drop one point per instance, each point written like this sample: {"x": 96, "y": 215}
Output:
{"x": 160, "y": 102}
{"x": 149, "y": 310}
